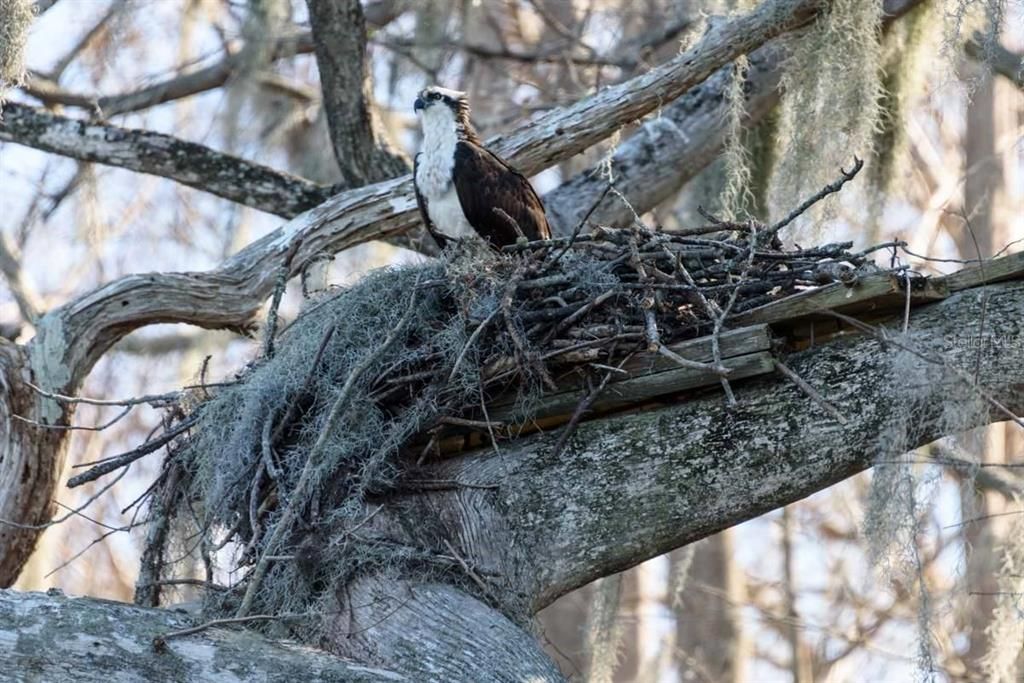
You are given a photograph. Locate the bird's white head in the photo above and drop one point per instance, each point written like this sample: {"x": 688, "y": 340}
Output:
{"x": 441, "y": 111}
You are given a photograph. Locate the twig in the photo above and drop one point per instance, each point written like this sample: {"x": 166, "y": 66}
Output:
{"x": 582, "y": 311}
{"x": 582, "y": 407}
{"x": 472, "y": 340}
{"x": 155, "y": 400}
{"x": 133, "y": 455}
{"x": 720, "y": 319}
{"x": 158, "y": 641}
{"x": 579, "y": 226}
{"x": 810, "y": 391}
{"x": 466, "y": 568}
{"x": 187, "y": 582}
{"x": 463, "y": 422}
{"x": 821, "y": 194}
{"x": 267, "y": 447}
{"x": 716, "y": 368}
{"x": 279, "y": 286}
{"x": 98, "y": 428}
{"x": 72, "y": 512}
{"x": 96, "y": 541}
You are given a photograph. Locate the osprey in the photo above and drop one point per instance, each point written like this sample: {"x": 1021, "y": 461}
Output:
{"x": 461, "y": 186}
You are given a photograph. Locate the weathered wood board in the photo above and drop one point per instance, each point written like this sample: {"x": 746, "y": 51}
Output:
{"x": 648, "y": 375}
{"x": 873, "y": 294}
{"x": 745, "y": 350}
{"x": 1009, "y": 267}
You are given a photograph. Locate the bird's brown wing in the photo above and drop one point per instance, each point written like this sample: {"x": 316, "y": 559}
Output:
{"x": 484, "y": 182}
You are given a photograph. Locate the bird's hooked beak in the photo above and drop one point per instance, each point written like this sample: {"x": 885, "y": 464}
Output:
{"x": 418, "y": 104}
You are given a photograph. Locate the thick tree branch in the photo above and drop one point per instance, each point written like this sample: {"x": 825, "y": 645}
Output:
{"x": 638, "y": 485}
{"x": 188, "y": 163}
{"x": 572, "y": 129}
{"x": 230, "y": 295}
{"x": 361, "y": 148}
{"x": 50, "y": 637}
{"x": 535, "y": 523}
{"x": 670, "y": 149}
{"x": 547, "y": 140}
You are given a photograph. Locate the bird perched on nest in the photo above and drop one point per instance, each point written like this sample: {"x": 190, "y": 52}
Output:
{"x": 462, "y": 187}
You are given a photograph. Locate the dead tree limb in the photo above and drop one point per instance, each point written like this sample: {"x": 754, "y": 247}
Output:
{"x": 188, "y": 163}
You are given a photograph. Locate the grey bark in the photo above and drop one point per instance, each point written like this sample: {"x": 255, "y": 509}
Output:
{"x": 51, "y": 638}
{"x": 361, "y": 148}
{"x": 538, "y": 524}
{"x": 188, "y": 163}
{"x": 552, "y": 523}
{"x": 535, "y": 146}
{"x": 435, "y": 632}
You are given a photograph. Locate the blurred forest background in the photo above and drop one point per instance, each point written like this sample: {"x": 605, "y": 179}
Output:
{"x": 934, "y": 102}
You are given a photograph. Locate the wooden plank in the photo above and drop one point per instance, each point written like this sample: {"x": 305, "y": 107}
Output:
{"x": 735, "y": 342}
{"x": 1010, "y": 267}
{"x": 871, "y": 294}
{"x": 641, "y": 388}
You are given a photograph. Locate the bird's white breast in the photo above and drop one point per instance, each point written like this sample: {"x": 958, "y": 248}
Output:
{"x": 446, "y": 213}
{"x": 434, "y": 178}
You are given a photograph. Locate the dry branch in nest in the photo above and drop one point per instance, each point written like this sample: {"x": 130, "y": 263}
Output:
{"x": 278, "y": 474}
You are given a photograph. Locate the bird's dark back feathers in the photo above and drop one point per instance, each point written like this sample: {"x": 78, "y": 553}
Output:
{"x": 484, "y": 183}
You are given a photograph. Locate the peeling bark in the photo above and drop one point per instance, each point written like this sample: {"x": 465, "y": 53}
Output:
{"x": 31, "y": 460}
{"x": 537, "y": 145}
{"x": 626, "y": 489}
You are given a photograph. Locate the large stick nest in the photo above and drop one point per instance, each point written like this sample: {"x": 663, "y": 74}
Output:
{"x": 272, "y": 477}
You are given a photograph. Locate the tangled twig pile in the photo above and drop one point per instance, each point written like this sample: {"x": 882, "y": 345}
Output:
{"x": 275, "y": 474}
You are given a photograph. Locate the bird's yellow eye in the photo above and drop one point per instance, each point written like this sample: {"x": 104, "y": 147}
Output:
{"x": 434, "y": 95}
